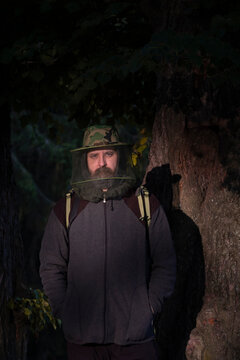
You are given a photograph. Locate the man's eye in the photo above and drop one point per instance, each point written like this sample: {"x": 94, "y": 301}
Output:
{"x": 109, "y": 153}
{"x": 93, "y": 156}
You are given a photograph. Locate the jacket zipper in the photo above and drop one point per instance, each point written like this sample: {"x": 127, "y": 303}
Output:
{"x": 105, "y": 268}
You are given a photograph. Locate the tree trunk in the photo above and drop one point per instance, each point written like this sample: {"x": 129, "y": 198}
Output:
{"x": 10, "y": 243}
{"x": 209, "y": 195}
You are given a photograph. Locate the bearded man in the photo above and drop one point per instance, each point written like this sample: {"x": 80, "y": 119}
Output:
{"x": 104, "y": 269}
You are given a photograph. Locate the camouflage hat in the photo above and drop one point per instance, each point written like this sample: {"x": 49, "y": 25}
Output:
{"x": 99, "y": 136}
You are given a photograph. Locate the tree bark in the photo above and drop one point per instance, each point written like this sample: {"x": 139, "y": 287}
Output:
{"x": 10, "y": 243}
{"x": 193, "y": 150}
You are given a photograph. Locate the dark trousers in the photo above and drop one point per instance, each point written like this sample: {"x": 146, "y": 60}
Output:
{"x": 144, "y": 351}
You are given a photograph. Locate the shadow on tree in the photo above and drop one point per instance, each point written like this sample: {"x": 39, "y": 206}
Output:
{"x": 178, "y": 317}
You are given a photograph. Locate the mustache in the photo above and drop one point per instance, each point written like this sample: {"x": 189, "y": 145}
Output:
{"x": 103, "y": 172}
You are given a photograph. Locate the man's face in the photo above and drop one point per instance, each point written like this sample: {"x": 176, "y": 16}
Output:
{"x": 102, "y": 163}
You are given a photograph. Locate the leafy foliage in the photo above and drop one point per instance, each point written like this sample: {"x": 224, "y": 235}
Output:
{"x": 139, "y": 147}
{"x": 98, "y": 60}
{"x": 34, "y": 310}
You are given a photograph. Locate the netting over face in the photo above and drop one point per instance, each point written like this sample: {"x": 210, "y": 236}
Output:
{"x": 90, "y": 181}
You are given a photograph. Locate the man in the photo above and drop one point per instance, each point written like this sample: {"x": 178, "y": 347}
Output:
{"x": 106, "y": 274}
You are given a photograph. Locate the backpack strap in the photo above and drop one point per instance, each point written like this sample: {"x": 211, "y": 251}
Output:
{"x": 144, "y": 204}
{"x": 68, "y": 207}
{"x": 144, "y": 207}
{"x": 73, "y": 206}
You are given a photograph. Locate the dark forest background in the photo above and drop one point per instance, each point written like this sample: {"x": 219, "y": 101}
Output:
{"x": 167, "y": 74}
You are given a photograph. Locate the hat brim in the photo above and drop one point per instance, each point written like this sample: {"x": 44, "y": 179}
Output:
{"x": 101, "y": 146}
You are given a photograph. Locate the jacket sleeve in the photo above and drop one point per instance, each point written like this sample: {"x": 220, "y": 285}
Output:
{"x": 54, "y": 262}
{"x": 163, "y": 271}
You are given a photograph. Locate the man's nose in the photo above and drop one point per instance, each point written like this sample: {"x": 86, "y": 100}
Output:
{"x": 102, "y": 160}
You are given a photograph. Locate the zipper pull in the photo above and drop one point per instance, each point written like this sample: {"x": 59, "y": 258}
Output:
{"x": 104, "y": 198}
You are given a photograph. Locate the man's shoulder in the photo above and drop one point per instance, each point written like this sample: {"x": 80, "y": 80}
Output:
{"x": 77, "y": 205}
{"x": 132, "y": 202}
{"x": 59, "y": 210}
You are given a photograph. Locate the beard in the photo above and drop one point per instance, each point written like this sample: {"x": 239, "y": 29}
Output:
{"x": 103, "y": 173}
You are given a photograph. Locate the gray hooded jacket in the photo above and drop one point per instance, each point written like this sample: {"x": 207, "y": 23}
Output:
{"x": 104, "y": 280}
